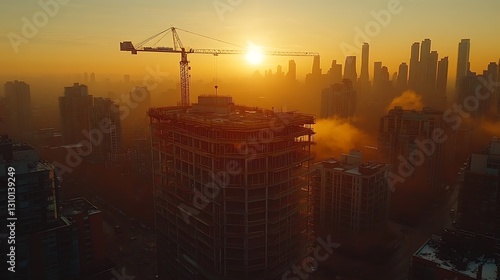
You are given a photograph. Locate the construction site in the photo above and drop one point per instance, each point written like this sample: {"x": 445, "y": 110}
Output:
{"x": 232, "y": 189}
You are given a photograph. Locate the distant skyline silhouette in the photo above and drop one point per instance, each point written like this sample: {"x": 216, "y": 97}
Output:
{"x": 67, "y": 45}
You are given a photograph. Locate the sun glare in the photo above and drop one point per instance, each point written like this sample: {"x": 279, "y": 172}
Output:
{"x": 254, "y": 55}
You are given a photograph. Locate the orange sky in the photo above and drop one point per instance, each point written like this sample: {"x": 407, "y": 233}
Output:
{"x": 75, "y": 36}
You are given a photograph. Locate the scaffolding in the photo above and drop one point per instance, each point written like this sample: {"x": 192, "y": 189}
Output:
{"x": 244, "y": 178}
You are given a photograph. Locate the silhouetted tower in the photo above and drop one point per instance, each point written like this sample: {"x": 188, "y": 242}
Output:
{"x": 414, "y": 66}
{"x": 74, "y": 109}
{"x": 430, "y": 81}
{"x": 316, "y": 69}
{"x": 18, "y": 101}
{"x": 442, "y": 76}
{"x": 377, "y": 68}
{"x": 105, "y": 110}
{"x": 364, "y": 78}
{"x": 402, "y": 83}
{"x": 350, "y": 69}
{"x": 92, "y": 77}
{"x": 423, "y": 65}
{"x": 492, "y": 72}
{"x": 463, "y": 61}
{"x": 292, "y": 70}
{"x": 384, "y": 74}
{"x": 339, "y": 100}
{"x": 335, "y": 73}
{"x": 279, "y": 71}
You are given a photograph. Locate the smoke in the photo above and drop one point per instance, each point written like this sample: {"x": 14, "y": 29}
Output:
{"x": 408, "y": 100}
{"x": 334, "y": 136}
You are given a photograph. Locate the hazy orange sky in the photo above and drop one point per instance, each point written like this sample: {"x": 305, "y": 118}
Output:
{"x": 76, "y": 36}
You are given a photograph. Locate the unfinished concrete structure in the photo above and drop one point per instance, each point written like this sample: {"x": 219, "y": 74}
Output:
{"x": 232, "y": 197}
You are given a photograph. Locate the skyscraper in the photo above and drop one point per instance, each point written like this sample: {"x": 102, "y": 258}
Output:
{"x": 400, "y": 132}
{"x": 377, "y": 73}
{"x": 105, "y": 111}
{"x": 431, "y": 75}
{"x": 335, "y": 73}
{"x": 364, "y": 78}
{"x": 223, "y": 211}
{"x": 350, "y": 69}
{"x": 402, "y": 83}
{"x": 442, "y": 77}
{"x": 479, "y": 198}
{"x": 339, "y": 100}
{"x": 423, "y": 65}
{"x": 463, "y": 60}
{"x": 18, "y": 107}
{"x": 414, "y": 66}
{"x": 46, "y": 244}
{"x": 316, "y": 68}
{"x": 292, "y": 70}
{"x": 74, "y": 109}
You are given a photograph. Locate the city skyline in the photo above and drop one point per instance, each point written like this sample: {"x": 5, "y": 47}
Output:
{"x": 55, "y": 44}
{"x": 313, "y": 140}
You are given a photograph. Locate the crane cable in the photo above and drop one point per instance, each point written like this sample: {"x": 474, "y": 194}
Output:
{"x": 215, "y": 71}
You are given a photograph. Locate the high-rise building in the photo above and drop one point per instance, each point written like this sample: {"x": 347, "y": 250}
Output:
{"x": 339, "y": 100}
{"x": 227, "y": 208}
{"x": 349, "y": 196}
{"x": 87, "y": 219}
{"x": 414, "y": 66}
{"x": 350, "y": 69}
{"x": 402, "y": 83}
{"x": 431, "y": 75}
{"x": 18, "y": 108}
{"x": 364, "y": 78}
{"x": 423, "y": 65}
{"x": 471, "y": 86}
{"x": 292, "y": 70}
{"x": 377, "y": 74}
{"x": 463, "y": 60}
{"x": 442, "y": 77}
{"x": 401, "y": 135}
{"x": 141, "y": 159}
{"x": 74, "y": 109}
{"x": 492, "y": 76}
{"x": 492, "y": 72}
{"x": 479, "y": 197}
{"x": 316, "y": 69}
{"x": 335, "y": 73}
{"x": 46, "y": 244}
{"x": 105, "y": 114}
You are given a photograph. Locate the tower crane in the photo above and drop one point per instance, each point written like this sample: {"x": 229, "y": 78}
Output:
{"x": 184, "y": 63}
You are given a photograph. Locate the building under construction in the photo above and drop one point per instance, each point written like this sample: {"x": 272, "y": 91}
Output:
{"x": 232, "y": 190}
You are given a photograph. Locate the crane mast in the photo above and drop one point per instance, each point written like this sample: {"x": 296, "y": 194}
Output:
{"x": 184, "y": 62}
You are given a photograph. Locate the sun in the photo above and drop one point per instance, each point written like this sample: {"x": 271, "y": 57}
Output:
{"x": 254, "y": 54}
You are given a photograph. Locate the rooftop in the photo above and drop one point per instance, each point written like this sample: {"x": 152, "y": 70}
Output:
{"x": 425, "y": 112}
{"x": 463, "y": 253}
{"x": 351, "y": 164}
{"x": 78, "y": 205}
{"x": 220, "y": 112}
